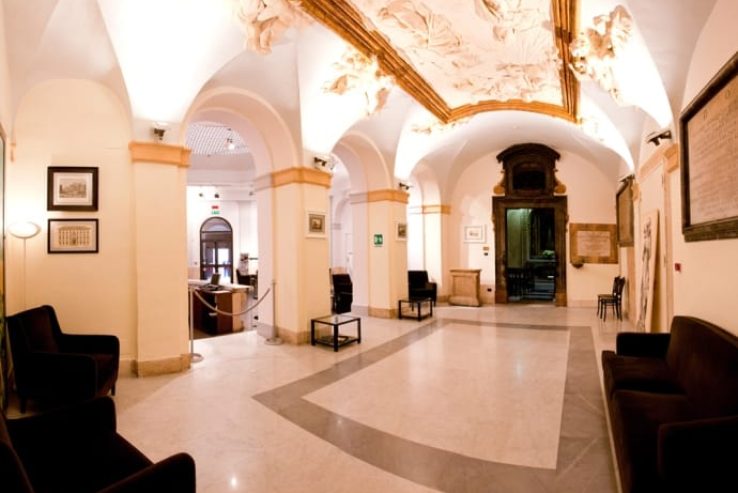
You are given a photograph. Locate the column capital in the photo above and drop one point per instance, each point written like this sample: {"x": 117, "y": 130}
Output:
{"x": 289, "y": 176}
{"x": 385, "y": 195}
{"x": 431, "y": 209}
{"x": 155, "y": 152}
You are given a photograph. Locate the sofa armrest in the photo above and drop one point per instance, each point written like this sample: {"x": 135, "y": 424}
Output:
{"x": 175, "y": 474}
{"x": 93, "y": 417}
{"x": 642, "y": 344}
{"x": 699, "y": 455}
{"x": 89, "y": 343}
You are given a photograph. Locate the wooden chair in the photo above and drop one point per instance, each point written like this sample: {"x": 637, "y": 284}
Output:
{"x": 613, "y": 299}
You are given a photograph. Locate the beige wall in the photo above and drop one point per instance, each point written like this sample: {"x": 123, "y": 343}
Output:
{"x": 705, "y": 287}
{"x": 4, "y": 77}
{"x": 75, "y": 123}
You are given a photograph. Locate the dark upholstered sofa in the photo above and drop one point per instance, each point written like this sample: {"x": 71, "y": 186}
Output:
{"x": 673, "y": 405}
{"x": 77, "y": 449}
{"x": 57, "y": 367}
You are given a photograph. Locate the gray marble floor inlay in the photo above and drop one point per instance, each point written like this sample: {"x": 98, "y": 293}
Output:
{"x": 584, "y": 457}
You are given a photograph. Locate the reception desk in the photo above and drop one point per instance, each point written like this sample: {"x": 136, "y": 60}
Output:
{"x": 465, "y": 287}
{"x": 232, "y": 298}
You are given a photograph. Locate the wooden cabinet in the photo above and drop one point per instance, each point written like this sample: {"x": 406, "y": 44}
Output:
{"x": 465, "y": 287}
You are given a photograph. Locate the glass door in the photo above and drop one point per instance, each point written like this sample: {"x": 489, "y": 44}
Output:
{"x": 216, "y": 248}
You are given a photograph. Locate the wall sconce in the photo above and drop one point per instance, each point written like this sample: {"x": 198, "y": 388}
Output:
{"x": 159, "y": 129}
{"x": 324, "y": 163}
{"x": 403, "y": 186}
{"x": 24, "y": 230}
{"x": 656, "y": 137}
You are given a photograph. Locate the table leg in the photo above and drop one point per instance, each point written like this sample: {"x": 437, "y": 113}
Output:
{"x": 312, "y": 332}
{"x": 335, "y": 338}
{"x": 358, "y": 324}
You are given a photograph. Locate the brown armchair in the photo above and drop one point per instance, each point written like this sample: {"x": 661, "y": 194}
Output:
{"x": 77, "y": 448}
{"x": 49, "y": 364}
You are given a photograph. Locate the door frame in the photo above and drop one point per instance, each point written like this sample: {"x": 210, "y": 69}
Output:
{"x": 500, "y": 206}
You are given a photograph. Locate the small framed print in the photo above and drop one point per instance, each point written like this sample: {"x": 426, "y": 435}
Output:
{"x": 401, "y": 229}
{"x": 71, "y": 188}
{"x": 316, "y": 224}
{"x": 474, "y": 234}
{"x": 73, "y": 236}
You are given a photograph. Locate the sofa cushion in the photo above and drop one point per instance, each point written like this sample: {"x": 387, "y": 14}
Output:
{"x": 704, "y": 359}
{"x": 636, "y": 417}
{"x": 636, "y": 373}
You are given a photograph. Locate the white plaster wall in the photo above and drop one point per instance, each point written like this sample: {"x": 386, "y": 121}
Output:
{"x": 75, "y": 123}
{"x": 705, "y": 287}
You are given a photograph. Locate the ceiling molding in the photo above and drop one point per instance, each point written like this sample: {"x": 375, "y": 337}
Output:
{"x": 346, "y": 21}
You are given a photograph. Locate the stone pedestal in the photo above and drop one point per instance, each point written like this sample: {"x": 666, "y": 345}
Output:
{"x": 465, "y": 287}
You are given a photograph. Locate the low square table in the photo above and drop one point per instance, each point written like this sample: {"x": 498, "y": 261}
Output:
{"x": 417, "y": 308}
{"x": 335, "y": 339}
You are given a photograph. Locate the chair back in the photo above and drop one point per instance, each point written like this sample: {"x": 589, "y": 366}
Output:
{"x": 417, "y": 278}
{"x": 618, "y": 288}
{"x": 36, "y": 329}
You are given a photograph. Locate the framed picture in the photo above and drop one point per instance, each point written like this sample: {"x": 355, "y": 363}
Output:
{"x": 401, "y": 229}
{"x": 474, "y": 234}
{"x": 71, "y": 188}
{"x": 709, "y": 158}
{"x": 316, "y": 224}
{"x": 592, "y": 244}
{"x": 73, "y": 236}
{"x": 624, "y": 208}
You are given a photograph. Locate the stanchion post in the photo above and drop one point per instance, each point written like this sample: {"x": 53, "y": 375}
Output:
{"x": 194, "y": 357}
{"x": 274, "y": 340}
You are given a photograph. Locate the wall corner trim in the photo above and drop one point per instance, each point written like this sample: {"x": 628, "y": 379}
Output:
{"x": 155, "y": 152}
{"x": 386, "y": 195}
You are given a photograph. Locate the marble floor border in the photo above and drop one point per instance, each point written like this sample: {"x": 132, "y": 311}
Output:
{"x": 584, "y": 462}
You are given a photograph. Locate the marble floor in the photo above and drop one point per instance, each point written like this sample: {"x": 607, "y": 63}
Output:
{"x": 493, "y": 399}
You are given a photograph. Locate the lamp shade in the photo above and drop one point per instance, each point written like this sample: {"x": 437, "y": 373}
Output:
{"x": 24, "y": 229}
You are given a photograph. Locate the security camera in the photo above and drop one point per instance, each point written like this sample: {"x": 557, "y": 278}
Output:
{"x": 656, "y": 137}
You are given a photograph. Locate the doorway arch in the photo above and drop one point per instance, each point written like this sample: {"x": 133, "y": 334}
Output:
{"x": 529, "y": 183}
{"x": 216, "y": 248}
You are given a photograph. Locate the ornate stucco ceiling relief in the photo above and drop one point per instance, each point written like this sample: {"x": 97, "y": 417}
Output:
{"x": 595, "y": 50}
{"x": 265, "y": 21}
{"x": 361, "y": 73}
{"x": 460, "y": 57}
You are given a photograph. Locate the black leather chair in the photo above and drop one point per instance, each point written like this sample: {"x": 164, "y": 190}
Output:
{"x": 77, "y": 449}
{"x": 613, "y": 299}
{"x": 343, "y": 293}
{"x": 418, "y": 285}
{"x": 49, "y": 364}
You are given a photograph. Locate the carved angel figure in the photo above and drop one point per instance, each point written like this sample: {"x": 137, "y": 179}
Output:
{"x": 429, "y": 30}
{"x": 594, "y": 50}
{"x": 264, "y": 21}
{"x": 361, "y": 73}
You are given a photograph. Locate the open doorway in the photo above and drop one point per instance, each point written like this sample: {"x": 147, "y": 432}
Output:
{"x": 531, "y": 254}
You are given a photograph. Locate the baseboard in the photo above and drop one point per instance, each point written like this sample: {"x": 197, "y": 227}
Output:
{"x": 161, "y": 366}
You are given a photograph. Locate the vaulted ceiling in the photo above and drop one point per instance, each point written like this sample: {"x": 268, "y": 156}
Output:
{"x": 473, "y": 63}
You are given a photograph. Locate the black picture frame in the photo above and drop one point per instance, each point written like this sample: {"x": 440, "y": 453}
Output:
{"x": 73, "y": 236}
{"x": 712, "y": 113}
{"x": 72, "y": 188}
